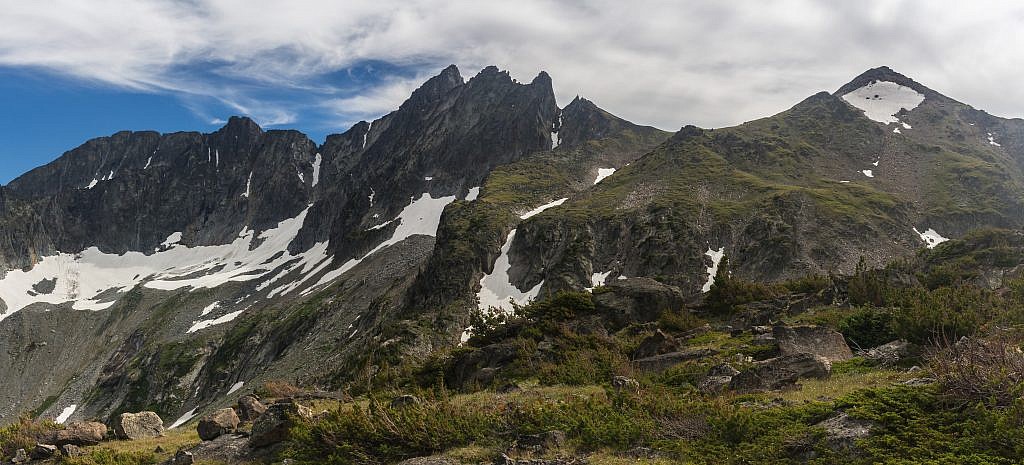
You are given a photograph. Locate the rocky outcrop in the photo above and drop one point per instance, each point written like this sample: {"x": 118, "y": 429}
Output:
{"x": 624, "y": 384}
{"x": 842, "y": 431}
{"x": 250, "y": 408}
{"x": 780, "y": 372}
{"x": 637, "y": 300}
{"x": 272, "y": 427}
{"x": 888, "y": 354}
{"x": 659, "y": 363}
{"x": 218, "y": 423}
{"x": 817, "y": 340}
{"x": 139, "y": 425}
{"x": 80, "y": 433}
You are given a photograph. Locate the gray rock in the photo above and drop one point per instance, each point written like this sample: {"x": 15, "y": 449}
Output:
{"x": 842, "y": 431}
{"x": 80, "y": 433}
{"x": 218, "y": 423}
{"x": 637, "y": 300}
{"x": 139, "y": 425}
{"x": 888, "y": 354}
{"x": 403, "y": 401}
{"x": 718, "y": 378}
{"x": 919, "y": 382}
{"x": 656, "y": 344}
{"x": 250, "y": 408}
{"x": 781, "y": 372}
{"x": 44, "y": 451}
{"x": 71, "y": 450}
{"x": 622, "y": 383}
{"x": 659, "y": 363}
{"x": 818, "y": 340}
{"x": 183, "y": 457}
{"x": 272, "y": 427}
{"x": 20, "y": 456}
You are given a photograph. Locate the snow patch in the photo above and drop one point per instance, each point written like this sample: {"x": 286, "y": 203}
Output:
{"x": 896, "y": 130}
{"x": 210, "y": 308}
{"x": 496, "y": 288}
{"x": 92, "y": 184}
{"x": 603, "y": 173}
{"x": 716, "y": 259}
{"x": 198, "y": 325}
{"x": 868, "y": 173}
{"x": 931, "y": 237}
{"x": 65, "y": 414}
{"x": 473, "y": 193}
{"x": 598, "y": 279}
{"x": 992, "y": 140}
{"x": 148, "y": 162}
{"x": 183, "y": 419}
{"x": 174, "y": 238}
{"x": 248, "y": 186}
{"x": 541, "y": 208}
{"x": 316, "y": 170}
{"x": 367, "y": 133}
{"x": 235, "y": 387}
{"x": 881, "y": 100}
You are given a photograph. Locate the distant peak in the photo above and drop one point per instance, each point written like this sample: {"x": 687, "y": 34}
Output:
{"x": 238, "y": 125}
{"x": 883, "y": 74}
{"x": 448, "y": 79}
{"x": 542, "y": 78}
{"x": 451, "y": 72}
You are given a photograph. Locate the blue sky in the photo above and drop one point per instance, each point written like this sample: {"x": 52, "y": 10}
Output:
{"x": 72, "y": 70}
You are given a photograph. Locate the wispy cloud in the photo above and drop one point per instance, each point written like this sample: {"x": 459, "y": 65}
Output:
{"x": 659, "y": 62}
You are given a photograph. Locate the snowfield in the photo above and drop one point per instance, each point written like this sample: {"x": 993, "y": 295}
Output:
{"x": 931, "y": 237}
{"x": 881, "y": 100}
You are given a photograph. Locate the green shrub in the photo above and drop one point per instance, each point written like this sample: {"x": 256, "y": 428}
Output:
{"x": 868, "y": 327}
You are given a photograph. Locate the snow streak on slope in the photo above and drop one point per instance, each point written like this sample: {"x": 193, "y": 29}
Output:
{"x": 66, "y": 413}
{"x": 881, "y": 100}
{"x": 84, "y": 278}
{"x": 716, "y": 259}
{"x": 538, "y": 210}
{"x": 316, "y": 170}
{"x": 603, "y": 173}
{"x": 496, "y": 288}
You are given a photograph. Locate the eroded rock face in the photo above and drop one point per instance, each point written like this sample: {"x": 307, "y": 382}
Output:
{"x": 781, "y": 372}
{"x": 139, "y": 425}
{"x": 272, "y": 427}
{"x": 80, "y": 433}
{"x": 811, "y": 339}
{"x": 218, "y": 423}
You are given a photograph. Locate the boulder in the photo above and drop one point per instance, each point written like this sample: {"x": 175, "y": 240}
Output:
{"x": 403, "y": 401}
{"x": 183, "y": 457}
{"x": 139, "y": 426}
{"x": 811, "y": 339}
{"x": 44, "y": 451}
{"x": 636, "y": 300}
{"x": 220, "y": 422}
{"x": 659, "y": 363}
{"x": 71, "y": 450}
{"x": 842, "y": 431}
{"x": 80, "y": 433}
{"x": 781, "y": 372}
{"x": 272, "y": 427}
{"x": 250, "y": 408}
{"x": 622, "y": 383}
{"x": 888, "y": 354}
{"x": 656, "y": 344}
{"x": 20, "y": 456}
{"x": 717, "y": 379}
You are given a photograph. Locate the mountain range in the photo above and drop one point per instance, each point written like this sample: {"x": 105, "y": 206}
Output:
{"x": 164, "y": 272}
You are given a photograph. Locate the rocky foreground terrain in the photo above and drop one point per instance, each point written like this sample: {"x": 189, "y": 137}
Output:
{"x": 482, "y": 276}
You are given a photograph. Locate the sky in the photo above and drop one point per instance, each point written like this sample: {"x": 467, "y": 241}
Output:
{"x": 72, "y": 70}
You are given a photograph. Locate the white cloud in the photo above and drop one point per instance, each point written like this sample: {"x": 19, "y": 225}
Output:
{"x": 660, "y": 62}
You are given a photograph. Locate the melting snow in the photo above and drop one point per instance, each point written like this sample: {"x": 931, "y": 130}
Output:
{"x": 316, "y": 170}
{"x": 174, "y": 238}
{"x": 496, "y": 288}
{"x": 555, "y": 138}
{"x": 931, "y": 237}
{"x": 868, "y": 173}
{"x": 428, "y": 178}
{"x": 905, "y": 125}
{"x": 372, "y": 193}
{"x": 92, "y": 184}
{"x": 301, "y": 177}
{"x": 474, "y": 192}
{"x": 210, "y": 308}
{"x": 716, "y": 258}
{"x": 367, "y": 133}
{"x": 148, "y": 161}
{"x": 896, "y": 130}
{"x": 66, "y": 413}
{"x": 992, "y": 140}
{"x": 541, "y": 208}
{"x": 598, "y": 279}
{"x": 466, "y": 334}
{"x": 248, "y": 186}
{"x": 235, "y": 387}
{"x": 184, "y": 418}
{"x": 603, "y": 173}
{"x": 881, "y": 100}
{"x": 216, "y": 321}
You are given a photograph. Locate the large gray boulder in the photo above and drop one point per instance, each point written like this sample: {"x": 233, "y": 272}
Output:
{"x": 250, "y": 408}
{"x": 272, "y": 427}
{"x": 218, "y": 423}
{"x": 888, "y": 354}
{"x": 817, "y": 340}
{"x": 842, "y": 431}
{"x": 781, "y": 372}
{"x": 80, "y": 433}
{"x": 139, "y": 425}
{"x": 637, "y": 300}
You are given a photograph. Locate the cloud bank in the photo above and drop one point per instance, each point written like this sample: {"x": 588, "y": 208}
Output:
{"x": 659, "y": 62}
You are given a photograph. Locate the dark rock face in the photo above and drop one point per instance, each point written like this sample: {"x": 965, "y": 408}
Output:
{"x": 781, "y": 372}
{"x": 637, "y": 300}
{"x": 218, "y": 423}
{"x": 817, "y": 340}
{"x": 139, "y": 425}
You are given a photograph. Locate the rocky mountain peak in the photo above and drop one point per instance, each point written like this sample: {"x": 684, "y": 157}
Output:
{"x": 241, "y": 126}
{"x": 884, "y": 74}
{"x": 436, "y": 87}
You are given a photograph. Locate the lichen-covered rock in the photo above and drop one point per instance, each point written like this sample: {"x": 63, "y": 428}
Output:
{"x": 218, "y": 423}
{"x": 622, "y": 383}
{"x": 139, "y": 425}
{"x": 80, "y": 433}
{"x": 250, "y": 408}
{"x": 44, "y": 451}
